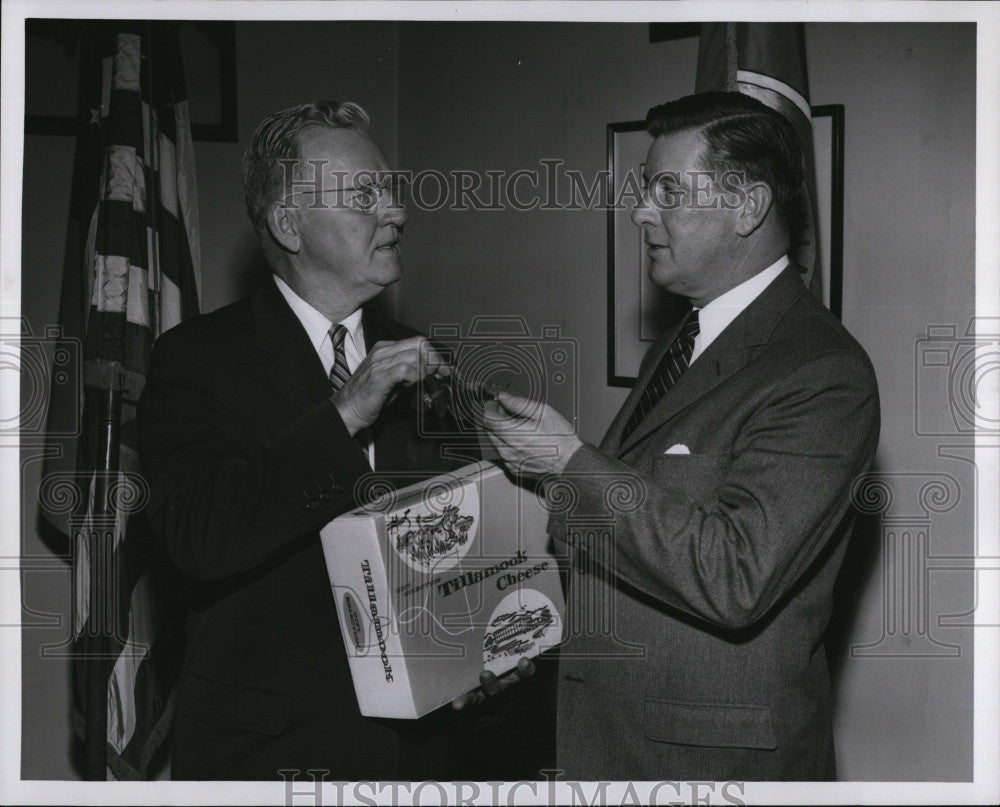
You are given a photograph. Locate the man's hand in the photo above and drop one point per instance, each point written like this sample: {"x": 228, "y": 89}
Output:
{"x": 490, "y": 685}
{"x": 387, "y": 365}
{"x": 531, "y": 437}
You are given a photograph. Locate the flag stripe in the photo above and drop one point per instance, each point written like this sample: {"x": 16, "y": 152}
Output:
{"x": 153, "y": 707}
{"x": 111, "y": 287}
{"x": 137, "y": 307}
{"x": 124, "y": 125}
{"x": 127, "y": 61}
{"x": 174, "y": 255}
{"x": 187, "y": 198}
{"x": 171, "y": 304}
{"x": 167, "y": 173}
{"x": 776, "y": 86}
{"x": 121, "y": 703}
{"x": 121, "y": 230}
{"x": 126, "y": 177}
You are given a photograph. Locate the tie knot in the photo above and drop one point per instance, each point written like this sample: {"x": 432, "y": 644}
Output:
{"x": 691, "y": 327}
{"x": 338, "y": 333}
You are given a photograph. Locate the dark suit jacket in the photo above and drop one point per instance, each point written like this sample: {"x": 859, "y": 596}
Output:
{"x": 247, "y": 459}
{"x": 721, "y": 571}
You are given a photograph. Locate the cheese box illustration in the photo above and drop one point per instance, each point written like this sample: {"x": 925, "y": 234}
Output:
{"x": 438, "y": 581}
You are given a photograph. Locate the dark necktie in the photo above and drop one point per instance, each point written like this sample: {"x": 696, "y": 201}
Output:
{"x": 674, "y": 362}
{"x": 339, "y": 372}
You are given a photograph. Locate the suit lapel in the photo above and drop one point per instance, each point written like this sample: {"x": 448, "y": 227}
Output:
{"x": 722, "y": 358}
{"x": 652, "y": 360}
{"x": 298, "y": 373}
{"x": 389, "y": 453}
{"x": 727, "y": 354}
{"x": 295, "y": 369}
{"x": 373, "y": 329}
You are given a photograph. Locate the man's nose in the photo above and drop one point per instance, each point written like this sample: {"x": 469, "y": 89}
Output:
{"x": 641, "y": 213}
{"x": 392, "y": 211}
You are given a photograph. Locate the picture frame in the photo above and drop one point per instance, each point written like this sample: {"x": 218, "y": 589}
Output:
{"x": 638, "y": 311}
{"x": 208, "y": 51}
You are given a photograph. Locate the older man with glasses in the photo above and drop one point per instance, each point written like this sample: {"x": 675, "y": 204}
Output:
{"x": 255, "y": 425}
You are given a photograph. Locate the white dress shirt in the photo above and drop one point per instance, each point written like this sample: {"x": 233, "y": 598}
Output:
{"x": 714, "y": 317}
{"x": 318, "y": 329}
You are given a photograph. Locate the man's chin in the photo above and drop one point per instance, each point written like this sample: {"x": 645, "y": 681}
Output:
{"x": 659, "y": 275}
{"x": 388, "y": 275}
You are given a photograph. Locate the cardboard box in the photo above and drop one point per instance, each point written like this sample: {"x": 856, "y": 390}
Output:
{"x": 438, "y": 581}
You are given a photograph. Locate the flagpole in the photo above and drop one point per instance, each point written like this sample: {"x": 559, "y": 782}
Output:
{"x": 96, "y": 642}
{"x": 103, "y": 593}
{"x": 105, "y": 399}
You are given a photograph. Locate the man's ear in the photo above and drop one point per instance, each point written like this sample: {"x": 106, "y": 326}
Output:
{"x": 757, "y": 200}
{"x": 283, "y": 224}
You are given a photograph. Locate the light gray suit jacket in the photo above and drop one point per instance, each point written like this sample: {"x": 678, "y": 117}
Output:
{"x": 701, "y": 583}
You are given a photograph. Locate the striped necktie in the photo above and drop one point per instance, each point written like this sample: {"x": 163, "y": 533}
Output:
{"x": 339, "y": 372}
{"x": 674, "y": 362}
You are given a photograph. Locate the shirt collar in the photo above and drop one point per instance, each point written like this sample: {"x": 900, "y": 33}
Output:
{"x": 714, "y": 317}
{"x": 318, "y": 326}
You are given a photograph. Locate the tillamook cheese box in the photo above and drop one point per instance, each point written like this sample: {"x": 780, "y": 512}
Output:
{"x": 438, "y": 581}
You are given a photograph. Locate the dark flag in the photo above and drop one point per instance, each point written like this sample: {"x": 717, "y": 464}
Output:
{"x": 768, "y": 61}
{"x": 132, "y": 269}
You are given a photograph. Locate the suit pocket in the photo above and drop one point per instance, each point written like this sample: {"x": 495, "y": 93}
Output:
{"x": 709, "y": 724}
{"x": 251, "y": 710}
{"x": 690, "y": 476}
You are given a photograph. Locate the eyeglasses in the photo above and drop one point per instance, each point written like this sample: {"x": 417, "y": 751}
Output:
{"x": 368, "y": 197}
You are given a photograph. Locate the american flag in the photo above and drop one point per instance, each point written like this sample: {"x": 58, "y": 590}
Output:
{"x": 138, "y": 267}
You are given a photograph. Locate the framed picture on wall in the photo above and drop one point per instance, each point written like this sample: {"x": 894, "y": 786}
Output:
{"x": 52, "y": 59}
{"x": 638, "y": 310}
{"x": 208, "y": 52}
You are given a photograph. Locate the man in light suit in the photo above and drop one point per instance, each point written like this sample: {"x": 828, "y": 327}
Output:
{"x": 256, "y": 423}
{"x": 739, "y": 444}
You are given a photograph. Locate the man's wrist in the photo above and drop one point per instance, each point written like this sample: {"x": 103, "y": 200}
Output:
{"x": 351, "y": 422}
{"x": 566, "y": 452}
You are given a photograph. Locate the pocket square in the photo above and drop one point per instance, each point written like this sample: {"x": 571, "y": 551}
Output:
{"x": 678, "y": 448}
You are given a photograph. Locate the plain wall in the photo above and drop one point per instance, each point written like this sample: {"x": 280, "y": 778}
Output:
{"x": 504, "y": 96}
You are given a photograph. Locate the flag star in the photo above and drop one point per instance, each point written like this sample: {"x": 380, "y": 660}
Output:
{"x": 95, "y": 115}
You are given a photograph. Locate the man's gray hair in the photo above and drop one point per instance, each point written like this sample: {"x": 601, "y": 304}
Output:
{"x": 276, "y": 139}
